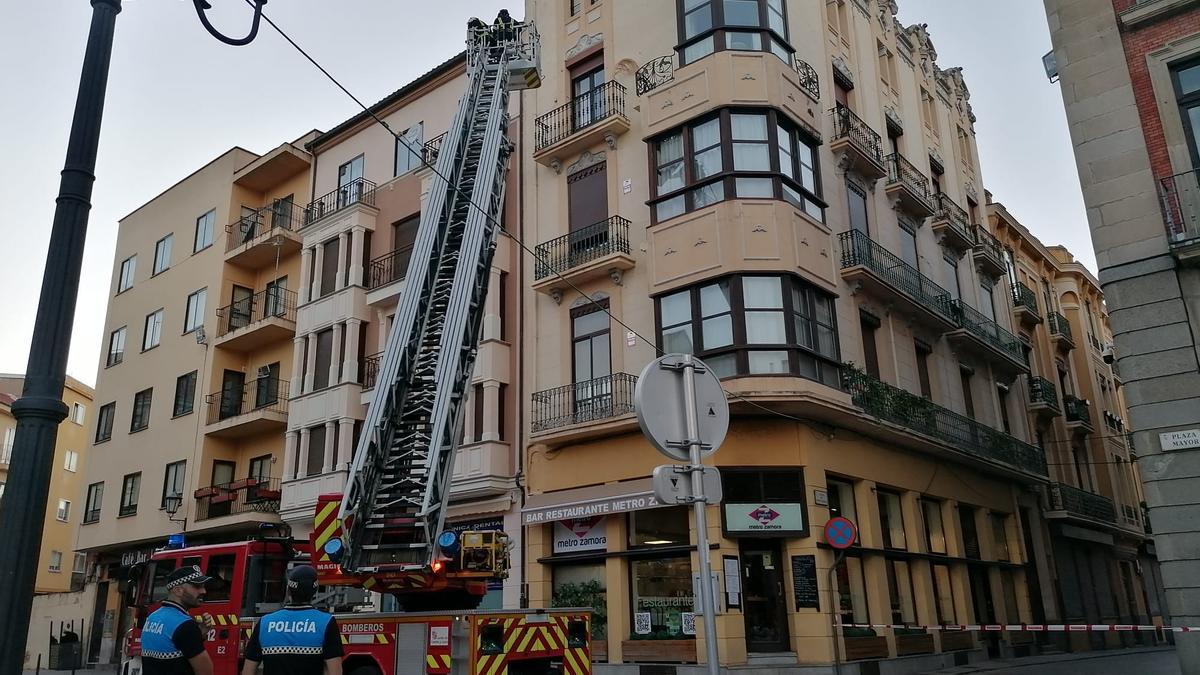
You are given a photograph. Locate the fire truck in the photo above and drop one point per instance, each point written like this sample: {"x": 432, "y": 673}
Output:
{"x": 386, "y": 533}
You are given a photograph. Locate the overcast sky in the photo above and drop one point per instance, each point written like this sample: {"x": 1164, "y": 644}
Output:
{"x": 177, "y": 98}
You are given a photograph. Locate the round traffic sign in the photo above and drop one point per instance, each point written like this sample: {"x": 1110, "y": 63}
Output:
{"x": 658, "y": 400}
{"x": 840, "y": 533}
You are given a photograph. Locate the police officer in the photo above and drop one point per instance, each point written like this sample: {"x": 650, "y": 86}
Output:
{"x": 172, "y": 643}
{"x": 299, "y": 638}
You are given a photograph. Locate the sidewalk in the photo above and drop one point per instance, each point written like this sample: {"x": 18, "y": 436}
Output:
{"x": 1149, "y": 660}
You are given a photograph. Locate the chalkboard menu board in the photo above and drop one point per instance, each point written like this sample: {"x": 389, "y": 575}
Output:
{"x": 804, "y": 581}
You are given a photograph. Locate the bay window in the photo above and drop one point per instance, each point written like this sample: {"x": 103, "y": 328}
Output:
{"x": 754, "y": 325}
{"x": 707, "y": 26}
{"x": 735, "y": 153}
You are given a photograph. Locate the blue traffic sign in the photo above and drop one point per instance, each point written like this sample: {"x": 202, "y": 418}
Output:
{"x": 840, "y": 533}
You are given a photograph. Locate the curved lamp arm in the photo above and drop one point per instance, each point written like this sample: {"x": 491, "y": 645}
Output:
{"x": 203, "y": 5}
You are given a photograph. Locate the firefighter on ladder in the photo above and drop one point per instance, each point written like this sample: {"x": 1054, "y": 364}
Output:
{"x": 299, "y": 638}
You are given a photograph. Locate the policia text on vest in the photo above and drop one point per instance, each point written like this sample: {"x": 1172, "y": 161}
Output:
{"x": 297, "y": 639}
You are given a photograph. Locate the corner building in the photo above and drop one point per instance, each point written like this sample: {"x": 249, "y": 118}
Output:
{"x": 792, "y": 192}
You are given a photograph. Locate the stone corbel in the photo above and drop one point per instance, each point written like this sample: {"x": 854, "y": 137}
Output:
{"x": 617, "y": 275}
{"x": 556, "y": 165}
{"x": 556, "y": 295}
{"x": 610, "y": 139}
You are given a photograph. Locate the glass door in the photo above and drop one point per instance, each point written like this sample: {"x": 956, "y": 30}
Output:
{"x": 241, "y": 307}
{"x": 349, "y": 185}
{"x": 232, "y": 385}
{"x": 588, "y": 98}
{"x": 765, "y": 610}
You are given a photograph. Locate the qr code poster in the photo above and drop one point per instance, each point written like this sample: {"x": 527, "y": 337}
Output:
{"x": 689, "y": 623}
{"x": 641, "y": 623}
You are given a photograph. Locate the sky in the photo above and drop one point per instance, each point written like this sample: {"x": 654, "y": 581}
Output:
{"x": 177, "y": 98}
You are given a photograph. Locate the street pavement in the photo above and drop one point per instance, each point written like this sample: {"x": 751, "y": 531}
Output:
{"x": 1149, "y": 661}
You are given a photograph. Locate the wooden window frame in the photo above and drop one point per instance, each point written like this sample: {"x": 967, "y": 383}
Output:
{"x": 720, "y": 27}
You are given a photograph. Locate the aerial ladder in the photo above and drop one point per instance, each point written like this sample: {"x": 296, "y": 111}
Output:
{"x": 393, "y": 511}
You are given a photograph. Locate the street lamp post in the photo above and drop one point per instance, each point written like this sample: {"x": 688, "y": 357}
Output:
{"x": 40, "y": 408}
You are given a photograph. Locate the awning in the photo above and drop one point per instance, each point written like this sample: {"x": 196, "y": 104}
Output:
{"x": 481, "y": 507}
{"x": 596, "y": 500}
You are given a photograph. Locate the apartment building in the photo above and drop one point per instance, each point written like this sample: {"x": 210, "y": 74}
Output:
{"x": 1128, "y": 74}
{"x": 192, "y": 386}
{"x": 791, "y": 191}
{"x": 59, "y": 568}
{"x": 1103, "y": 565}
{"x": 369, "y": 189}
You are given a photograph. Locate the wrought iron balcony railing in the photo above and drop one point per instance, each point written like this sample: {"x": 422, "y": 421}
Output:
{"x": 1077, "y": 410}
{"x": 1023, "y": 296}
{"x": 258, "y": 226}
{"x": 579, "y": 113}
{"x": 988, "y": 330}
{"x": 264, "y": 394}
{"x": 954, "y": 214}
{"x": 357, "y": 191}
{"x": 388, "y": 267}
{"x": 859, "y": 249}
{"x": 809, "y": 80}
{"x": 272, "y": 303}
{"x": 248, "y": 495}
{"x": 590, "y": 401}
{"x": 1058, "y": 325}
{"x": 581, "y": 246}
{"x": 429, "y": 151}
{"x": 902, "y": 171}
{"x": 860, "y": 134}
{"x": 370, "y": 370}
{"x": 989, "y": 246}
{"x": 1180, "y": 199}
{"x": 921, "y": 415}
{"x": 654, "y": 73}
{"x": 1043, "y": 391}
{"x": 1078, "y": 502}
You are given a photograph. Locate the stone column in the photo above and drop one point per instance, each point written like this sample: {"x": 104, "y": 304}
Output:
{"x": 310, "y": 369}
{"x": 330, "y": 440}
{"x": 297, "y": 382}
{"x": 357, "y": 240}
{"x": 491, "y": 410}
{"x": 350, "y": 358}
{"x": 343, "y": 244}
{"x": 289, "y": 455}
{"x": 302, "y": 464}
{"x": 319, "y": 253}
{"x": 345, "y": 451}
{"x": 306, "y": 257}
{"x": 335, "y": 361}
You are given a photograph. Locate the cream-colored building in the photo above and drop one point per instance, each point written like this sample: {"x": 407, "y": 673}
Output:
{"x": 58, "y": 567}
{"x": 791, "y": 191}
{"x": 192, "y": 386}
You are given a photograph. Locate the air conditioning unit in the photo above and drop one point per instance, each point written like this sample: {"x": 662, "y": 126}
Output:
{"x": 264, "y": 372}
{"x": 1108, "y": 354}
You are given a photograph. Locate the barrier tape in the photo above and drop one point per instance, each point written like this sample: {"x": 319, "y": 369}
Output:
{"x": 1033, "y": 627}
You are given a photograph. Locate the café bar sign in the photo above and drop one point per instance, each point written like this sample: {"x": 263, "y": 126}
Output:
{"x": 590, "y": 508}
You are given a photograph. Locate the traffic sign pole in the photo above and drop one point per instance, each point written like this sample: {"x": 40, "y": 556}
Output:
{"x": 708, "y": 602}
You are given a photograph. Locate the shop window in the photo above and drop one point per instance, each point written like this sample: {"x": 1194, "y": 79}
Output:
{"x": 966, "y": 520}
{"x": 891, "y": 520}
{"x": 659, "y": 527}
{"x": 841, "y": 499}
{"x": 935, "y": 532}
{"x": 583, "y": 586}
{"x": 943, "y": 594}
{"x": 852, "y": 591}
{"x": 707, "y": 26}
{"x": 900, "y": 592}
{"x": 662, "y": 594}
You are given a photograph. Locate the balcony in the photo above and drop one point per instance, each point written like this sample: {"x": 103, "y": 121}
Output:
{"x": 1071, "y": 502}
{"x": 592, "y": 252}
{"x": 259, "y": 238}
{"x": 961, "y": 434}
{"x": 357, "y": 191}
{"x": 907, "y": 187}
{"x": 1078, "y": 414}
{"x": 256, "y": 407}
{"x": 600, "y": 400}
{"x": 370, "y": 370}
{"x": 866, "y": 264}
{"x": 1043, "y": 397}
{"x": 1025, "y": 309}
{"x": 249, "y": 495}
{"x": 986, "y": 338}
{"x": 951, "y": 225}
{"x": 856, "y": 142}
{"x": 654, "y": 73}
{"x": 388, "y": 268}
{"x": 584, "y": 121}
{"x": 264, "y": 318}
{"x": 988, "y": 254}
{"x": 429, "y": 151}
{"x": 1060, "y": 331}
{"x": 1180, "y": 199}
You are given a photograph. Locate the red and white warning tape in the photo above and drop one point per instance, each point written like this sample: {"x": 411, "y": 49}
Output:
{"x": 1034, "y": 627}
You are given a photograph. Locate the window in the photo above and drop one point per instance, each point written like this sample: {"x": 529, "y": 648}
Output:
{"x": 662, "y": 588}
{"x": 162, "y": 254}
{"x": 316, "y": 450}
{"x": 91, "y": 506}
{"x": 852, "y": 590}
{"x": 935, "y": 533}
{"x": 966, "y": 522}
{"x": 588, "y": 98}
{"x": 900, "y": 592}
{"x": 999, "y": 535}
{"x": 659, "y": 527}
{"x": 220, "y": 568}
{"x": 71, "y": 461}
{"x": 104, "y": 422}
{"x": 869, "y": 326}
{"x": 185, "y": 394}
{"x": 55, "y": 561}
{"x": 908, "y": 246}
{"x": 750, "y": 325}
{"x": 986, "y": 302}
{"x": 194, "y": 317}
{"x": 950, "y": 270}
{"x": 891, "y": 519}
{"x": 585, "y": 582}
{"x": 80, "y": 564}
{"x": 78, "y": 413}
{"x": 64, "y": 510}
{"x": 841, "y": 499}
{"x": 590, "y": 343}
{"x": 965, "y": 377}
{"x": 324, "y": 358}
{"x": 152, "y": 332}
{"x": 131, "y": 487}
{"x": 276, "y": 300}
{"x": 857, "y": 203}
{"x": 10, "y": 438}
{"x": 745, "y": 154}
{"x": 1002, "y": 395}
{"x": 943, "y": 594}
{"x": 923, "y": 352}
{"x": 408, "y": 149}
{"x": 173, "y": 481}
{"x": 141, "y": 410}
{"x": 204, "y": 231}
{"x": 350, "y": 183}
{"x": 329, "y": 267}
{"x": 575, "y": 7}
{"x": 706, "y": 26}
{"x": 128, "y": 267}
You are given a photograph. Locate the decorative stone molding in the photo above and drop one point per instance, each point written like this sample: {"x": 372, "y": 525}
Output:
{"x": 556, "y": 165}
{"x": 617, "y": 275}
{"x": 610, "y": 139}
{"x": 893, "y": 117}
{"x": 585, "y": 42}
{"x": 842, "y": 73}
{"x": 556, "y": 295}
{"x": 586, "y": 159}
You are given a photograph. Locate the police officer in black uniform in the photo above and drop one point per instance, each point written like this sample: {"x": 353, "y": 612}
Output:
{"x": 298, "y": 639}
{"x": 172, "y": 643}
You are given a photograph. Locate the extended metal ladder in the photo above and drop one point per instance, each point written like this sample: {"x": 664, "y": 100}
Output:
{"x": 395, "y": 503}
